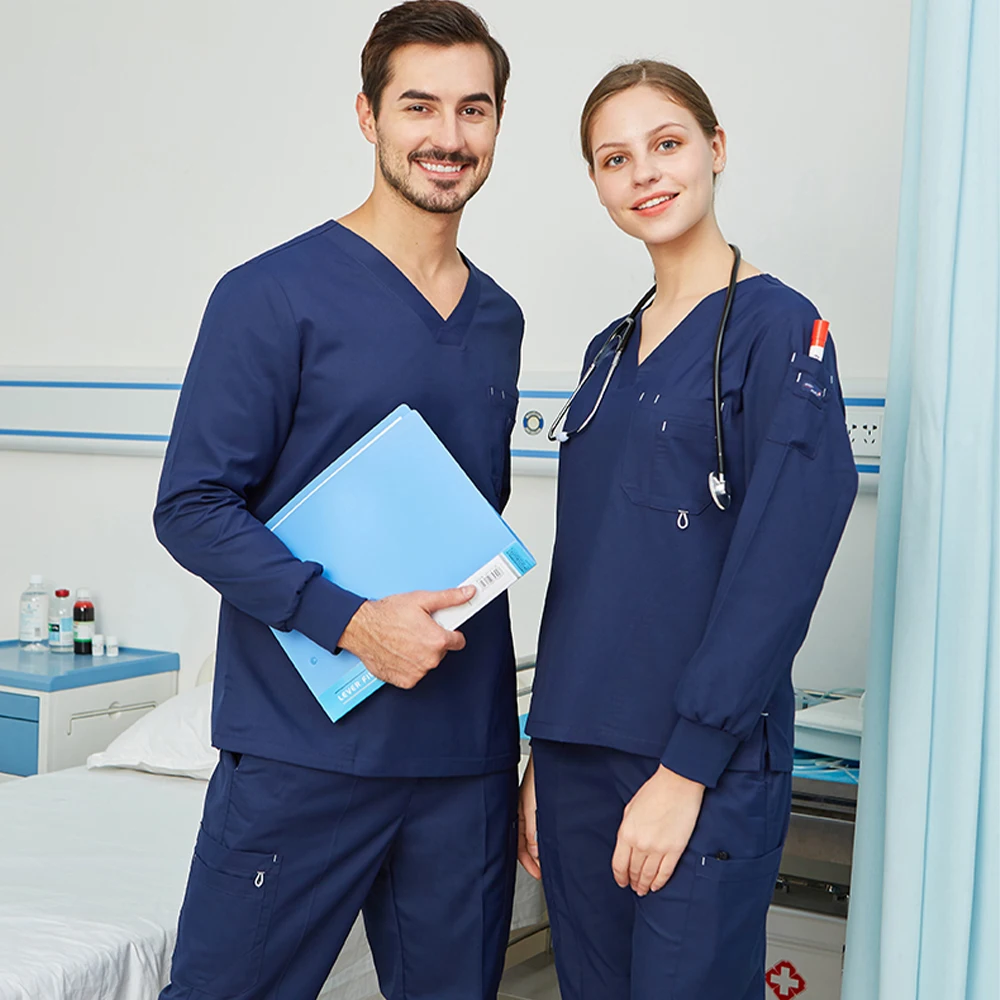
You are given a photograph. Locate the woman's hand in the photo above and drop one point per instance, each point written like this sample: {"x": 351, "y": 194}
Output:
{"x": 656, "y": 827}
{"x": 527, "y": 831}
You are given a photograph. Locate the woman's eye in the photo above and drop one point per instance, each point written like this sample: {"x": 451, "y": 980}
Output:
{"x": 615, "y": 161}
{"x": 669, "y": 144}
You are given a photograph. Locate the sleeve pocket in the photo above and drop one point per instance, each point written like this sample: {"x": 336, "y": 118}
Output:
{"x": 801, "y": 411}
{"x": 224, "y": 919}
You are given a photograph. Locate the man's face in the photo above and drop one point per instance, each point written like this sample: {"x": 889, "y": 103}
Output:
{"x": 437, "y": 125}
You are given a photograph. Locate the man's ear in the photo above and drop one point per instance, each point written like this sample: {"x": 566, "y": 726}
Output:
{"x": 366, "y": 118}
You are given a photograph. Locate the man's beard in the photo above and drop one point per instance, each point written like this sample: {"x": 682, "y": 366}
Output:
{"x": 446, "y": 199}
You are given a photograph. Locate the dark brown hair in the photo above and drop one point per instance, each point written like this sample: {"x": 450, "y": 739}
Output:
{"x": 428, "y": 22}
{"x": 675, "y": 83}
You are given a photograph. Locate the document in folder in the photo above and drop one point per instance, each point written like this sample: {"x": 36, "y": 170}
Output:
{"x": 393, "y": 514}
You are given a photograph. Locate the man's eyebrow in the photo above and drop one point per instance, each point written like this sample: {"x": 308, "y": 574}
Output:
{"x": 649, "y": 134}
{"x": 421, "y": 95}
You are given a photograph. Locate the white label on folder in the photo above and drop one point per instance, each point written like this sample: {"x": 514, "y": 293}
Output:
{"x": 490, "y": 581}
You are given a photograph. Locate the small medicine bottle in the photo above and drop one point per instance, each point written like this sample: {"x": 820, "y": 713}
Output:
{"x": 111, "y": 645}
{"x": 83, "y": 624}
{"x": 61, "y": 623}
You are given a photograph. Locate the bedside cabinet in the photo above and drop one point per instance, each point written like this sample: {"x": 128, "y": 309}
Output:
{"x": 58, "y": 708}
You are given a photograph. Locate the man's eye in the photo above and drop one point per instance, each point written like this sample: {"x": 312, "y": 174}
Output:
{"x": 417, "y": 107}
{"x": 471, "y": 112}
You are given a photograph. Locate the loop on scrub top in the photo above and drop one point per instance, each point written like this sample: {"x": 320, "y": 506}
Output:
{"x": 682, "y": 519}
{"x": 259, "y": 880}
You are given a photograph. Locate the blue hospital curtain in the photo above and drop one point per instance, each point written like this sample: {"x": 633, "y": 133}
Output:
{"x": 924, "y": 903}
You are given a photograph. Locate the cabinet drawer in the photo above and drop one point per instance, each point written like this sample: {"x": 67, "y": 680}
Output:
{"x": 18, "y": 706}
{"x": 19, "y": 745}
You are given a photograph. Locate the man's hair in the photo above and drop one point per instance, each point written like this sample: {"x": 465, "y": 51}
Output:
{"x": 427, "y": 22}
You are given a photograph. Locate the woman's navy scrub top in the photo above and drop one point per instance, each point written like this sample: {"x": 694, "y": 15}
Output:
{"x": 670, "y": 626}
{"x": 301, "y": 352}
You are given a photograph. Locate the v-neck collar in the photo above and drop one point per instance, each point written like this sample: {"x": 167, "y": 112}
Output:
{"x": 686, "y": 321}
{"x": 447, "y": 331}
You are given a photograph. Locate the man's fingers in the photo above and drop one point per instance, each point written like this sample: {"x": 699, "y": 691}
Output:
{"x": 620, "y": 862}
{"x": 454, "y": 640}
{"x": 664, "y": 872}
{"x": 436, "y": 600}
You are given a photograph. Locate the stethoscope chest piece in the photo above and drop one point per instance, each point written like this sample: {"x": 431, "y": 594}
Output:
{"x": 719, "y": 489}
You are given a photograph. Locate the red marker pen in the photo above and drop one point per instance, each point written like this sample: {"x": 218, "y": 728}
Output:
{"x": 817, "y": 345}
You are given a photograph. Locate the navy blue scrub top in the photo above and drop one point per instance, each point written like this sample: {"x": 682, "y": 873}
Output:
{"x": 301, "y": 352}
{"x": 670, "y": 626}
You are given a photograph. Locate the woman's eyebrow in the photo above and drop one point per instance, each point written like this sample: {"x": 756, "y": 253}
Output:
{"x": 649, "y": 134}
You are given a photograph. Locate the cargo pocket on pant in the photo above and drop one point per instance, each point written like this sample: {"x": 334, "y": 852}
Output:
{"x": 224, "y": 920}
{"x": 725, "y": 933}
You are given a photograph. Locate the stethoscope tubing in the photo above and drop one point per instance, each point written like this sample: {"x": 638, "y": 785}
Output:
{"x": 620, "y": 337}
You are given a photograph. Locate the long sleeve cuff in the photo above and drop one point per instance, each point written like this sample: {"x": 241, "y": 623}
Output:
{"x": 324, "y": 611}
{"x": 699, "y": 753}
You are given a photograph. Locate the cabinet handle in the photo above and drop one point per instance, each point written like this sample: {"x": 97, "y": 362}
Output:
{"x": 113, "y": 709}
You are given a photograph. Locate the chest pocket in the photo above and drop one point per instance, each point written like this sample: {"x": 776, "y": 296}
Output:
{"x": 669, "y": 453}
{"x": 503, "y": 413}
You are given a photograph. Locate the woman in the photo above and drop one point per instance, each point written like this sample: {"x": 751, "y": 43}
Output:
{"x": 662, "y": 711}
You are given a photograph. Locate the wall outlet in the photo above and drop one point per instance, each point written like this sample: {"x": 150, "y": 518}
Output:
{"x": 864, "y": 427}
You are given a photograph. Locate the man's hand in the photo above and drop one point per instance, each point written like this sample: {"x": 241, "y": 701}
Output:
{"x": 396, "y": 638}
{"x": 527, "y": 831}
{"x": 656, "y": 827}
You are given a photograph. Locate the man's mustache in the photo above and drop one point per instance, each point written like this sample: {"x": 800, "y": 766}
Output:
{"x": 444, "y": 156}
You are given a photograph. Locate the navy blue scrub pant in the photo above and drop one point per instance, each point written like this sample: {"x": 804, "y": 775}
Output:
{"x": 288, "y": 856}
{"x": 702, "y": 935}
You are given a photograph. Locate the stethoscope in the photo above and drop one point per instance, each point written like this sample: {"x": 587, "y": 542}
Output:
{"x": 618, "y": 341}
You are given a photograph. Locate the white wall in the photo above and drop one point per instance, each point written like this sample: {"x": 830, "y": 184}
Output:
{"x": 150, "y": 146}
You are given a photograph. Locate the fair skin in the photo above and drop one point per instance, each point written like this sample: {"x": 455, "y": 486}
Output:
{"x": 434, "y": 135}
{"x": 654, "y": 170}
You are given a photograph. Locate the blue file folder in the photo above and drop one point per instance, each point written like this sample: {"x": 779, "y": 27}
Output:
{"x": 393, "y": 514}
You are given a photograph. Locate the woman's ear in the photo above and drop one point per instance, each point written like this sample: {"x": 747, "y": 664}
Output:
{"x": 590, "y": 171}
{"x": 719, "y": 150}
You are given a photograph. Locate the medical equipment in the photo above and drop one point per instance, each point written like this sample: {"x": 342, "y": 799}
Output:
{"x": 618, "y": 341}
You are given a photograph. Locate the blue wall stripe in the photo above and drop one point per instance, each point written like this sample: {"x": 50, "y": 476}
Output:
{"x": 85, "y": 435}
{"x": 863, "y": 401}
{"x": 867, "y": 468}
{"x": 19, "y": 384}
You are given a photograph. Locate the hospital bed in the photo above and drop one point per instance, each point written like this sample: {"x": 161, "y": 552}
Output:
{"x": 94, "y": 865}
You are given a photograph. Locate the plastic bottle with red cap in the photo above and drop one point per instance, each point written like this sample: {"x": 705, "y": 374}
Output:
{"x": 61, "y": 623}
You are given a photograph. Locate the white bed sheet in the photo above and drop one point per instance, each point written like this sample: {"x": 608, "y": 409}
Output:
{"x": 93, "y": 866}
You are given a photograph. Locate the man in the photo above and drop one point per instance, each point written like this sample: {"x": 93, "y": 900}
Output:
{"x": 405, "y": 808}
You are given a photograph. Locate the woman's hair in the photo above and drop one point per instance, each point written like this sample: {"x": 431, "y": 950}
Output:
{"x": 430, "y": 22}
{"x": 675, "y": 83}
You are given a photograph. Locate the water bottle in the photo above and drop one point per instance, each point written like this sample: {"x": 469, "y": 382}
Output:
{"x": 33, "y": 630}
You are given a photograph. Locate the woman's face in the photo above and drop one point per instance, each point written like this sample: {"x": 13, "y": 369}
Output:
{"x": 654, "y": 167}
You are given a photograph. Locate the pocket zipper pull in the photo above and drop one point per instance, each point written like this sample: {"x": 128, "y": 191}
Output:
{"x": 682, "y": 520}
{"x": 259, "y": 880}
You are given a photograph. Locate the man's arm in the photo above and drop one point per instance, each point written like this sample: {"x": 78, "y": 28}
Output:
{"x": 235, "y": 412}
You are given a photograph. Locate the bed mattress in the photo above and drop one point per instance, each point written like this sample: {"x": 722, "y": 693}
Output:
{"x": 93, "y": 874}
